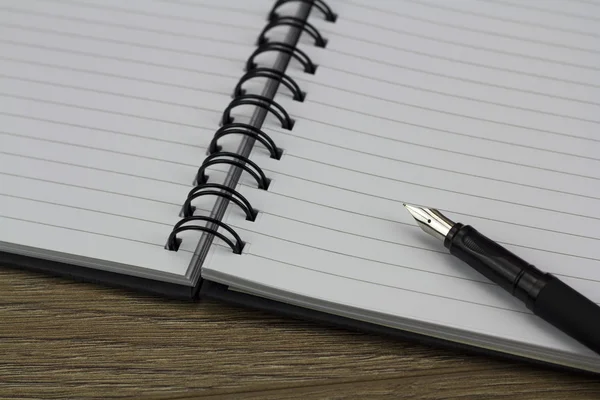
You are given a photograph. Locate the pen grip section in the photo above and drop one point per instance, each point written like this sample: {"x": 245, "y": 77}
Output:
{"x": 569, "y": 311}
{"x": 496, "y": 263}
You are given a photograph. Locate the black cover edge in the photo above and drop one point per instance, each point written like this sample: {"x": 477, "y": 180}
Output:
{"x": 92, "y": 275}
{"x": 220, "y": 292}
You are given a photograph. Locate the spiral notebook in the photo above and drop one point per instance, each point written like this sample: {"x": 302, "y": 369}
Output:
{"x": 260, "y": 152}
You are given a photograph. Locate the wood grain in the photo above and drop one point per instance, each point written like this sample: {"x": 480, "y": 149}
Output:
{"x": 61, "y": 339}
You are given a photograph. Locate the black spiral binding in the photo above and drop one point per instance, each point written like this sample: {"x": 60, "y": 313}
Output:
{"x": 319, "y": 4}
{"x": 228, "y": 193}
{"x": 173, "y": 242}
{"x": 216, "y": 156}
{"x": 309, "y": 66}
{"x": 248, "y": 130}
{"x": 295, "y": 22}
{"x": 259, "y": 101}
{"x": 271, "y": 73}
{"x": 238, "y": 161}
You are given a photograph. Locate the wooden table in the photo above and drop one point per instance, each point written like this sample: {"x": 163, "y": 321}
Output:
{"x": 64, "y": 339}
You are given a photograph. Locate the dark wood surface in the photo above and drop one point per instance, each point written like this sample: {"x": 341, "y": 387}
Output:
{"x": 64, "y": 339}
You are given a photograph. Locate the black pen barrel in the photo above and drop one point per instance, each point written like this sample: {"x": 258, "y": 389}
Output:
{"x": 544, "y": 294}
{"x": 569, "y": 311}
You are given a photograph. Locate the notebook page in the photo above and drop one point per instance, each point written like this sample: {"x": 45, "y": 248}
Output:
{"x": 107, "y": 111}
{"x": 485, "y": 116}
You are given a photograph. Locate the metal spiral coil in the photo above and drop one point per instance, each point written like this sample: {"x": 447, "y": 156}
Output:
{"x": 210, "y": 225}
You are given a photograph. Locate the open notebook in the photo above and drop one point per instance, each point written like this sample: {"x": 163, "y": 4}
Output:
{"x": 486, "y": 109}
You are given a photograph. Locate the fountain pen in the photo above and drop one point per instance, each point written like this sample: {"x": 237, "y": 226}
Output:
{"x": 544, "y": 294}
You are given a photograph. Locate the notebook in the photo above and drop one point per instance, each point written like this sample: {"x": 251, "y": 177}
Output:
{"x": 260, "y": 152}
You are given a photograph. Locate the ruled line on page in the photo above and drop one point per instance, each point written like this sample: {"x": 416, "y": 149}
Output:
{"x": 124, "y": 95}
{"x": 70, "y": 206}
{"x": 455, "y": 43}
{"x": 541, "y": 9}
{"x": 379, "y": 284}
{"x": 220, "y": 24}
{"x": 449, "y": 132}
{"x": 390, "y": 286}
{"x": 437, "y": 92}
{"x": 117, "y": 94}
{"x": 458, "y": 27}
{"x": 61, "y": 142}
{"x": 141, "y": 12}
{"x": 91, "y": 233}
{"x": 453, "y": 211}
{"x": 375, "y": 217}
{"x": 590, "y": 2}
{"x": 374, "y": 261}
{"x": 244, "y": 11}
{"x": 112, "y": 75}
{"x": 110, "y": 131}
{"x": 126, "y": 216}
{"x": 133, "y": 44}
{"x": 291, "y": 154}
{"x": 440, "y": 149}
{"x": 458, "y": 115}
{"x": 585, "y": 216}
{"x": 110, "y": 111}
{"x": 102, "y": 56}
{"x": 432, "y": 148}
{"x": 398, "y": 201}
{"x": 456, "y": 78}
{"x": 495, "y": 17}
{"x": 94, "y": 168}
{"x": 129, "y": 195}
{"x": 445, "y": 253}
{"x": 458, "y": 61}
{"x": 115, "y": 41}
{"x": 483, "y": 282}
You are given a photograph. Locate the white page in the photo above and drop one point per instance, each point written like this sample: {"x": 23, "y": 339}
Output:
{"x": 497, "y": 129}
{"x": 107, "y": 112}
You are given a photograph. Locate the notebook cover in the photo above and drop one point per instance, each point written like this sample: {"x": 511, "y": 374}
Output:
{"x": 219, "y": 292}
{"x": 113, "y": 279}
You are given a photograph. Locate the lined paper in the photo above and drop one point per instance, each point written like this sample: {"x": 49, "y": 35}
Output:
{"x": 487, "y": 110}
{"x": 107, "y": 111}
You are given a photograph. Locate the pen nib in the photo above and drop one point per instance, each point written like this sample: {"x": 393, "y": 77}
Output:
{"x": 431, "y": 221}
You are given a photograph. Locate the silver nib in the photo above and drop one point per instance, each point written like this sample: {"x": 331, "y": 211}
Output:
{"x": 431, "y": 221}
